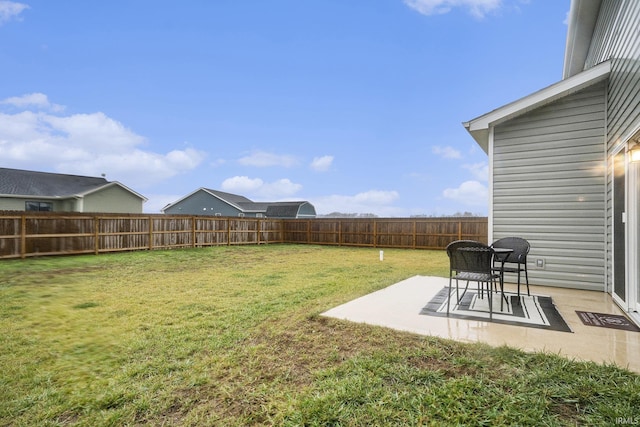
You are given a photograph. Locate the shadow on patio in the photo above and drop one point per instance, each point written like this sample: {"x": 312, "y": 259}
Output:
{"x": 398, "y": 307}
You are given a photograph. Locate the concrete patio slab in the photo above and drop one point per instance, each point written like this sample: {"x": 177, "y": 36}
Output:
{"x": 398, "y": 307}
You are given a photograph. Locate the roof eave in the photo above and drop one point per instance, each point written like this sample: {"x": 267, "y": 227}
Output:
{"x": 31, "y": 196}
{"x": 479, "y": 127}
{"x": 110, "y": 184}
{"x": 583, "y": 15}
{"x": 170, "y": 205}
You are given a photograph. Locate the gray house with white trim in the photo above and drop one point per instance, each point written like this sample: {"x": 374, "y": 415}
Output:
{"x": 23, "y": 190}
{"x": 561, "y": 173}
{"x": 205, "y": 201}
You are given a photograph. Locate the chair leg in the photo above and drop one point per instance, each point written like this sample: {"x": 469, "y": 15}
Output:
{"x": 526, "y": 276}
{"x": 503, "y": 298}
{"x": 449, "y": 295}
{"x": 458, "y": 297}
{"x": 489, "y": 285}
{"x": 457, "y": 292}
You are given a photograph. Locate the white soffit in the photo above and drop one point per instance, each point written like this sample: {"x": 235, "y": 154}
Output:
{"x": 479, "y": 127}
{"x": 582, "y": 22}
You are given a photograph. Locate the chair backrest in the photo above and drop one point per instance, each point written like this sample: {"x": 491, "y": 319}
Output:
{"x": 519, "y": 245}
{"x": 477, "y": 260}
{"x": 468, "y": 260}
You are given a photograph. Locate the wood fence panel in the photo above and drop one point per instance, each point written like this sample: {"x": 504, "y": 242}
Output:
{"x": 296, "y": 231}
{"x": 324, "y": 231}
{"x": 211, "y": 231}
{"x": 395, "y": 233}
{"x": 357, "y": 233}
{"x": 271, "y": 231}
{"x": 25, "y": 234}
{"x": 127, "y": 233}
{"x": 10, "y": 236}
{"x": 243, "y": 231}
{"x": 172, "y": 232}
{"x": 58, "y": 235}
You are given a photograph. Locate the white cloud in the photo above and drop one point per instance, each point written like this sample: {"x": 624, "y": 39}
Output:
{"x": 377, "y": 202}
{"x": 480, "y": 171}
{"x": 377, "y": 197}
{"x": 470, "y": 193}
{"x": 322, "y": 164}
{"x": 10, "y": 10}
{"x": 255, "y": 187}
{"x": 242, "y": 184}
{"x": 477, "y": 8}
{"x": 260, "y": 158}
{"x": 446, "y": 152}
{"x": 279, "y": 189}
{"x": 87, "y": 144}
{"x": 38, "y": 100}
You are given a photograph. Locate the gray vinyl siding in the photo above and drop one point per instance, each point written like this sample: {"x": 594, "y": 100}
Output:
{"x": 549, "y": 188}
{"x": 203, "y": 203}
{"x": 617, "y": 38}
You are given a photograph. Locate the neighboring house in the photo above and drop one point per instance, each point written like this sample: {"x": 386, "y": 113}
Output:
{"x": 22, "y": 190}
{"x": 205, "y": 201}
{"x": 560, "y": 167}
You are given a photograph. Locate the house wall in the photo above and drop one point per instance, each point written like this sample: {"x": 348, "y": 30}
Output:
{"x": 548, "y": 182}
{"x": 203, "y": 203}
{"x": 617, "y": 38}
{"x": 18, "y": 204}
{"x": 112, "y": 199}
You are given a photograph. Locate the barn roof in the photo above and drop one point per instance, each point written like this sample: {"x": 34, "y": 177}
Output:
{"x": 283, "y": 209}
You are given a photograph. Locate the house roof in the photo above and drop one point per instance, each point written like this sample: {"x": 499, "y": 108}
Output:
{"x": 479, "y": 127}
{"x": 240, "y": 202}
{"x": 270, "y": 209}
{"x": 284, "y": 209}
{"x": 583, "y": 15}
{"x": 23, "y": 183}
{"x": 234, "y": 199}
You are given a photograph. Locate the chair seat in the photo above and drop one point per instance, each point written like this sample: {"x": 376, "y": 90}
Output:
{"x": 508, "y": 269}
{"x": 476, "y": 277}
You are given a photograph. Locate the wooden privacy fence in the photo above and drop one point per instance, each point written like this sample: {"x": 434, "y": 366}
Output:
{"x": 37, "y": 234}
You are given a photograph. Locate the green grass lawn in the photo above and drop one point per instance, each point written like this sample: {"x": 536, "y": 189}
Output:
{"x": 232, "y": 336}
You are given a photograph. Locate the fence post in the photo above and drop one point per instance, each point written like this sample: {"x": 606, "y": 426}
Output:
{"x": 96, "y": 234}
{"x": 415, "y": 231}
{"x": 23, "y": 236}
{"x": 459, "y": 230}
{"x": 258, "y": 231}
{"x": 193, "y": 231}
{"x": 150, "y": 219}
{"x": 375, "y": 233}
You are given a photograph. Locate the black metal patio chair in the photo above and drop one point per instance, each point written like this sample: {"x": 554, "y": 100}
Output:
{"x": 472, "y": 262}
{"x": 514, "y": 262}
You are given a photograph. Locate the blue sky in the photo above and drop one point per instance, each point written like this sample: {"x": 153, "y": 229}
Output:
{"x": 353, "y": 105}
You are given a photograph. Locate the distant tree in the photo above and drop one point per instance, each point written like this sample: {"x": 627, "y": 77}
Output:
{"x": 347, "y": 215}
{"x": 455, "y": 215}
